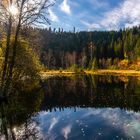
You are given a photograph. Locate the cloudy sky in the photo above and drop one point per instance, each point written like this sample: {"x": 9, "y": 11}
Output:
{"x": 95, "y": 14}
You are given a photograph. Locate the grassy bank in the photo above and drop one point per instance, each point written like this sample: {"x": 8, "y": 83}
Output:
{"x": 95, "y": 72}
{"x": 115, "y": 72}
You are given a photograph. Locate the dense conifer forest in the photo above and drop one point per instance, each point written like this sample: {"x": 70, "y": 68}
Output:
{"x": 91, "y": 50}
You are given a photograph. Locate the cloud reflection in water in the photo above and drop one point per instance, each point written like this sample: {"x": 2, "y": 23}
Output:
{"x": 90, "y": 123}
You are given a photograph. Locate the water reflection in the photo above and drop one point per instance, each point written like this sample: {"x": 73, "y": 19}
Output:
{"x": 93, "y": 91}
{"x": 24, "y": 102}
{"x": 76, "y": 107}
{"x": 103, "y": 123}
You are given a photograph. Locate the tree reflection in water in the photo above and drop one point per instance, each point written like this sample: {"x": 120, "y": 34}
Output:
{"x": 29, "y": 98}
{"x": 15, "y": 115}
{"x": 93, "y": 91}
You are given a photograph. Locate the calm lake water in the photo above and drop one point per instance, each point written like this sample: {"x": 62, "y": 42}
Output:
{"x": 80, "y": 107}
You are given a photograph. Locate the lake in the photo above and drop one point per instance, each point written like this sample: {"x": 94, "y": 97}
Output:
{"x": 78, "y": 107}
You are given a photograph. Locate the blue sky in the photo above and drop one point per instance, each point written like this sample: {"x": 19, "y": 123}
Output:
{"x": 95, "y": 14}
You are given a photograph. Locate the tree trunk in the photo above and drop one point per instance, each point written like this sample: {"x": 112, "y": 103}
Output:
{"x": 11, "y": 65}
{"x": 4, "y": 71}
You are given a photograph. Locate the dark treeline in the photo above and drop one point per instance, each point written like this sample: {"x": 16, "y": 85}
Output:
{"x": 97, "y": 49}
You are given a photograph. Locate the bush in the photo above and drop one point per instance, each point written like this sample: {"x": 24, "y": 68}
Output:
{"x": 76, "y": 69}
{"x": 123, "y": 64}
{"x": 114, "y": 67}
{"x": 27, "y": 63}
{"x": 94, "y": 64}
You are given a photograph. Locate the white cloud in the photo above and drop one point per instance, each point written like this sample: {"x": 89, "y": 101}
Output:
{"x": 127, "y": 14}
{"x": 65, "y": 7}
{"x": 66, "y": 131}
{"x": 99, "y": 4}
{"x": 91, "y": 26}
{"x": 52, "y": 16}
{"x": 128, "y": 121}
{"x": 54, "y": 121}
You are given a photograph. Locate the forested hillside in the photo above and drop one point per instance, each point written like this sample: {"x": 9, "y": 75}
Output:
{"x": 91, "y": 50}
{"x": 102, "y": 49}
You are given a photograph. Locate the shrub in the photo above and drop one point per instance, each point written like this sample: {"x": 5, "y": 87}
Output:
{"x": 27, "y": 63}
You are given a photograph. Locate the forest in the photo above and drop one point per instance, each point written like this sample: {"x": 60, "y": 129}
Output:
{"x": 58, "y": 49}
{"x": 87, "y": 50}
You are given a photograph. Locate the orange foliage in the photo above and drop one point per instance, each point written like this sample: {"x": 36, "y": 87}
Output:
{"x": 123, "y": 64}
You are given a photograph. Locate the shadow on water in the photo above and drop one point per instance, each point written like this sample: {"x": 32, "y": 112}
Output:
{"x": 21, "y": 115}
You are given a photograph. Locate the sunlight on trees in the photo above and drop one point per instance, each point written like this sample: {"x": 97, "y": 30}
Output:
{"x": 15, "y": 15}
{"x": 27, "y": 63}
{"x": 13, "y": 10}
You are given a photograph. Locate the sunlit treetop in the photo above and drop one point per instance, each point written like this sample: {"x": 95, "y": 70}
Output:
{"x": 29, "y": 11}
{"x": 13, "y": 10}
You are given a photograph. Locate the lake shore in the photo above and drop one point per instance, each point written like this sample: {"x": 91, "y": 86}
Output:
{"x": 95, "y": 72}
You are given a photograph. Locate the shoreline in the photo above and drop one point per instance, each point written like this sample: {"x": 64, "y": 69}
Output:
{"x": 115, "y": 72}
{"x": 95, "y": 72}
